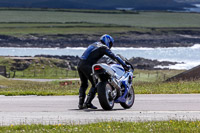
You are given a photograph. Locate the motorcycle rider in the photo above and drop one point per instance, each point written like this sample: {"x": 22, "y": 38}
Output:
{"x": 90, "y": 57}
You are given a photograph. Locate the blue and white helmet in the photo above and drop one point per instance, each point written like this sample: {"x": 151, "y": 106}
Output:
{"x": 107, "y": 40}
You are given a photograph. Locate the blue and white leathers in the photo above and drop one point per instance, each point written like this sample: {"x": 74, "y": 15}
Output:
{"x": 97, "y": 50}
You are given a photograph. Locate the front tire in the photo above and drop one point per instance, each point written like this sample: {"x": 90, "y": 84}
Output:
{"x": 104, "y": 90}
{"x": 129, "y": 99}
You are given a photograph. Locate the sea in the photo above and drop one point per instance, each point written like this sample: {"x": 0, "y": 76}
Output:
{"x": 194, "y": 9}
{"x": 187, "y": 57}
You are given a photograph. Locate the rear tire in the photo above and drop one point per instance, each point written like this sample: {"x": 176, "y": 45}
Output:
{"x": 129, "y": 99}
{"x": 105, "y": 100}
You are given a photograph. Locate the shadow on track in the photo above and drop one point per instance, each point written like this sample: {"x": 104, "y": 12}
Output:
{"x": 94, "y": 110}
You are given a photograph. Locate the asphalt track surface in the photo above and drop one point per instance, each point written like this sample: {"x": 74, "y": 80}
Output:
{"x": 63, "y": 109}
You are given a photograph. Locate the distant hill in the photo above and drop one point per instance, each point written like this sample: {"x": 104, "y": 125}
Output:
{"x": 96, "y": 4}
{"x": 192, "y": 74}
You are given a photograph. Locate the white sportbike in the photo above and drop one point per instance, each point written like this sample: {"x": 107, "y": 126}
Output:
{"x": 114, "y": 84}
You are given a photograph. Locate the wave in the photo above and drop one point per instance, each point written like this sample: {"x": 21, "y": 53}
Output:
{"x": 181, "y": 66}
{"x": 131, "y": 48}
{"x": 196, "y": 46}
{"x": 188, "y": 55}
{"x": 197, "y": 5}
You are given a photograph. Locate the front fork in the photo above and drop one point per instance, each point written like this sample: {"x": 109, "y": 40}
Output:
{"x": 122, "y": 99}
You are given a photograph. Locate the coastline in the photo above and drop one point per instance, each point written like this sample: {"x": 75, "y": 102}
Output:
{"x": 183, "y": 38}
{"x": 185, "y": 57}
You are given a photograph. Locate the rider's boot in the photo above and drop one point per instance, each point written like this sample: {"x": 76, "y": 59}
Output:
{"x": 88, "y": 103}
{"x": 81, "y": 103}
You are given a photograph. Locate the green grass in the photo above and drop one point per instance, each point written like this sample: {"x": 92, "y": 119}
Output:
{"x": 171, "y": 126}
{"x": 143, "y": 19}
{"x": 154, "y": 75}
{"x": 181, "y": 87}
{"x": 6, "y": 62}
{"x": 64, "y": 30}
{"x": 22, "y": 21}
{"x": 47, "y": 73}
{"x": 1, "y": 77}
{"x": 17, "y": 29}
{"x": 12, "y": 88}
{"x": 39, "y": 68}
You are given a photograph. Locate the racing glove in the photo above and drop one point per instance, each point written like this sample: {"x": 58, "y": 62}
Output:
{"x": 127, "y": 67}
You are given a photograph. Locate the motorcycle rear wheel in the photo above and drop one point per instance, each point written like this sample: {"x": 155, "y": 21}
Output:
{"x": 104, "y": 90}
{"x": 129, "y": 99}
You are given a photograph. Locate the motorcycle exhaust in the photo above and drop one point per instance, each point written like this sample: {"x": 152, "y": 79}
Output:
{"x": 114, "y": 83}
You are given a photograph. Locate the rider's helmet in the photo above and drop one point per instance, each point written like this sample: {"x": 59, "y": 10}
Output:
{"x": 107, "y": 40}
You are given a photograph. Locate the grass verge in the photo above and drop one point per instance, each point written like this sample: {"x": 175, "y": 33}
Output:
{"x": 181, "y": 87}
{"x": 12, "y": 88}
{"x": 171, "y": 126}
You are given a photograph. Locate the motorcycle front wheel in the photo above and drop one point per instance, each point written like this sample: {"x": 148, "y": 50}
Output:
{"x": 130, "y": 98}
{"x": 104, "y": 90}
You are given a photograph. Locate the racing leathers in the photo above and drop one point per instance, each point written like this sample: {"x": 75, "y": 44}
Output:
{"x": 90, "y": 57}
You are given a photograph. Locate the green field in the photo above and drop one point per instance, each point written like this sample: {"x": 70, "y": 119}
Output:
{"x": 143, "y": 19}
{"x": 171, "y": 126}
{"x": 23, "y": 21}
{"x": 71, "y": 28}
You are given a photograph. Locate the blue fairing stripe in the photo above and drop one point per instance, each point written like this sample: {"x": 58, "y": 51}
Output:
{"x": 121, "y": 68}
{"x": 113, "y": 69}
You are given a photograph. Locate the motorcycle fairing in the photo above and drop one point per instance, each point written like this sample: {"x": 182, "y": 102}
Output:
{"x": 125, "y": 80}
{"x": 118, "y": 69}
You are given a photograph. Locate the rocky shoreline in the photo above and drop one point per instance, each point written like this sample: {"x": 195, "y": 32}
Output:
{"x": 70, "y": 62}
{"x": 178, "y": 38}
{"x": 138, "y": 63}
{"x": 182, "y": 38}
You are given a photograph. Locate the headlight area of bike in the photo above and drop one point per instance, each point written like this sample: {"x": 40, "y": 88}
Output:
{"x": 101, "y": 73}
